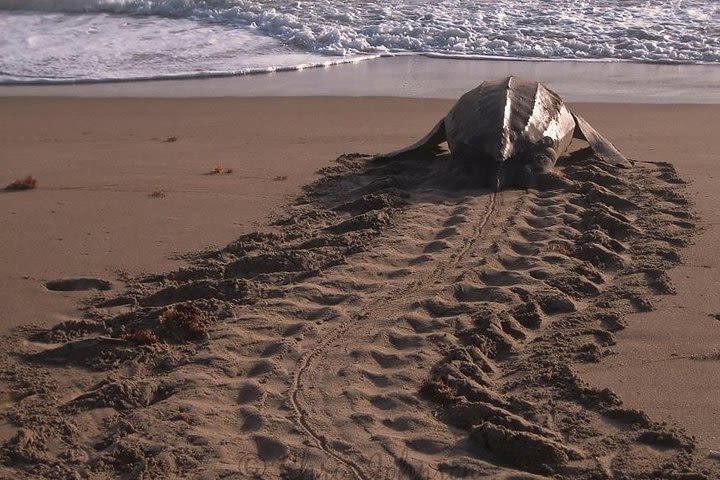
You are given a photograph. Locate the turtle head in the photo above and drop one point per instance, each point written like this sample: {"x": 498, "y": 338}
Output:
{"x": 524, "y": 169}
{"x": 497, "y": 173}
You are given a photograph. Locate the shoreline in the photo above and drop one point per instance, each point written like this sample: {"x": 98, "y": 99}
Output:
{"x": 208, "y": 75}
{"x": 413, "y": 76}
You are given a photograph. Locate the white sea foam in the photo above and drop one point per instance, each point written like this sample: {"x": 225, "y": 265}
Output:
{"x": 42, "y": 40}
{"x": 57, "y": 48}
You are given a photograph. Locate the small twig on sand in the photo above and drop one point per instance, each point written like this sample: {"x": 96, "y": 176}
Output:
{"x": 220, "y": 170}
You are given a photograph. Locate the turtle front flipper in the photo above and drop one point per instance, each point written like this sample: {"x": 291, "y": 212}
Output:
{"x": 428, "y": 143}
{"x": 601, "y": 147}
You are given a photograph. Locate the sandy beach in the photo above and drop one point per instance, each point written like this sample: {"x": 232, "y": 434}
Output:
{"x": 377, "y": 321}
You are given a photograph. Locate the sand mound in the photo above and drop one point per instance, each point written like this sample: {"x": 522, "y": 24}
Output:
{"x": 392, "y": 323}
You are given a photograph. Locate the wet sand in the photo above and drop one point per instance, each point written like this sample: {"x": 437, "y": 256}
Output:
{"x": 98, "y": 161}
{"x": 422, "y": 77}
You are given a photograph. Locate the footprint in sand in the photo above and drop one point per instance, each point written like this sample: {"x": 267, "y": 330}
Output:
{"x": 250, "y": 393}
{"x": 269, "y": 448}
{"x": 78, "y": 284}
{"x": 251, "y": 420}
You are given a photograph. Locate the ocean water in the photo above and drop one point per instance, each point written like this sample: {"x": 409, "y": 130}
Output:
{"x": 45, "y": 41}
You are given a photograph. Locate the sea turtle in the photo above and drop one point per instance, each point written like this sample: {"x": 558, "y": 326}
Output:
{"x": 510, "y": 132}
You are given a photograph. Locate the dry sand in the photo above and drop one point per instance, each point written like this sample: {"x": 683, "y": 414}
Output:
{"x": 99, "y": 161}
{"x": 387, "y": 323}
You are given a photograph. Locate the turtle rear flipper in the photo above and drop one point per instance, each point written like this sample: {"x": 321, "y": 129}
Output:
{"x": 601, "y": 147}
{"x": 428, "y": 143}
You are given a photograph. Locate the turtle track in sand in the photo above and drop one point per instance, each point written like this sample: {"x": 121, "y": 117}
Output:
{"x": 386, "y": 326}
{"x": 305, "y": 361}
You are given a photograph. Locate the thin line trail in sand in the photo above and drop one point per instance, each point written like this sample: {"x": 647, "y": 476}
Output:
{"x": 305, "y": 363}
